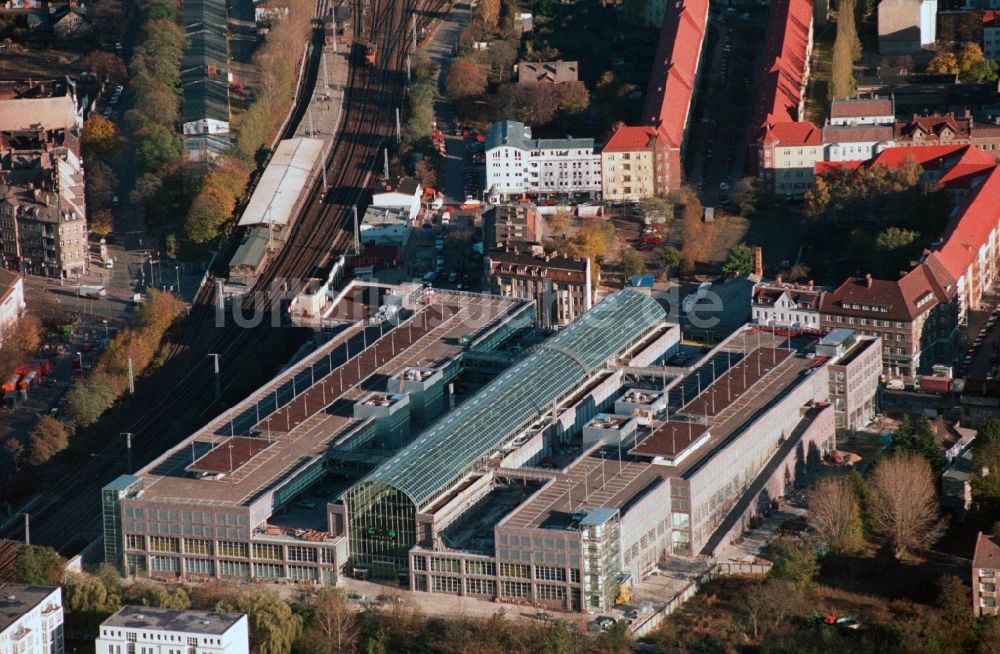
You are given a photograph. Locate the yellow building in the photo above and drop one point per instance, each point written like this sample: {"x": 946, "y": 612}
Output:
{"x": 630, "y": 163}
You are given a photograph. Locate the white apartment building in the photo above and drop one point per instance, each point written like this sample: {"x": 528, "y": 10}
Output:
{"x": 517, "y": 164}
{"x": 147, "y": 630}
{"x": 778, "y": 304}
{"x": 31, "y": 619}
{"x": 856, "y": 142}
{"x": 11, "y": 300}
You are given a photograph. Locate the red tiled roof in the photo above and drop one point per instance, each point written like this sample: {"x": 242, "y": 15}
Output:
{"x": 856, "y": 133}
{"x": 779, "y": 89}
{"x": 987, "y": 552}
{"x": 898, "y": 299}
{"x": 971, "y": 226}
{"x": 861, "y": 107}
{"x": 789, "y": 133}
{"x": 934, "y": 125}
{"x": 927, "y": 156}
{"x": 675, "y": 68}
{"x": 630, "y": 139}
{"x": 991, "y": 18}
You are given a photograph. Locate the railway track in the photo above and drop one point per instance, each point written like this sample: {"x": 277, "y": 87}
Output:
{"x": 69, "y": 516}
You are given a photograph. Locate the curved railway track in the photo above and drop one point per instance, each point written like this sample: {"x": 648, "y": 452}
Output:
{"x": 69, "y": 516}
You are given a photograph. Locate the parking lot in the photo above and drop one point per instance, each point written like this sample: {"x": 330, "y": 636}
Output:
{"x": 981, "y": 358}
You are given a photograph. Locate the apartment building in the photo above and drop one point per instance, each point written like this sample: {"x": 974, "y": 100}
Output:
{"x": 517, "y": 164}
{"x": 900, "y": 313}
{"x": 991, "y": 34}
{"x": 862, "y": 111}
{"x": 150, "y": 630}
{"x": 856, "y": 142}
{"x": 12, "y": 304}
{"x": 789, "y": 153}
{"x": 781, "y": 304}
{"x": 41, "y": 234}
{"x": 985, "y": 572}
{"x": 31, "y": 619}
{"x": 560, "y": 286}
{"x": 513, "y": 223}
{"x": 854, "y": 377}
{"x": 43, "y": 227}
{"x": 632, "y": 165}
{"x": 906, "y": 26}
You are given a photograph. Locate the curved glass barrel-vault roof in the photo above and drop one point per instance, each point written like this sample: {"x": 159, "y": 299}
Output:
{"x": 448, "y": 449}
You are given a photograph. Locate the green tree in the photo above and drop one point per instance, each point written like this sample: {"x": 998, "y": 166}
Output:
{"x": 89, "y": 400}
{"x": 99, "y": 185}
{"x": 794, "y": 561}
{"x": 39, "y": 566}
{"x": 974, "y": 66}
{"x": 273, "y": 626}
{"x": 156, "y": 145}
{"x": 146, "y": 593}
{"x": 87, "y": 600}
{"x": 210, "y": 209}
{"x": 919, "y": 439}
{"x": 670, "y": 258}
{"x": 632, "y": 263}
{"x": 48, "y": 438}
{"x": 740, "y": 261}
{"x": 989, "y": 432}
{"x": 894, "y": 238}
{"x": 99, "y": 138}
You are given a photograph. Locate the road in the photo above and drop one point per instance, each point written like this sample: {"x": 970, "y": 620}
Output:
{"x": 720, "y": 125}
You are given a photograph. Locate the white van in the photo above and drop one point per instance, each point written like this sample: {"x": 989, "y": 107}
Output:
{"x": 895, "y": 385}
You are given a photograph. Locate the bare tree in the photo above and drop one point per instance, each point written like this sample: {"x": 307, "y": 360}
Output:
{"x": 766, "y": 604}
{"x": 835, "y": 515}
{"x": 904, "y": 502}
{"x": 334, "y": 627}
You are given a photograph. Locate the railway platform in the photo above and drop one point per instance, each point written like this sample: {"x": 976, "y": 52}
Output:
{"x": 323, "y": 116}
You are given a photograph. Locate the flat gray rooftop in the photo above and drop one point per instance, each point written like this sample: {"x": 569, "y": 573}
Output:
{"x": 18, "y": 599}
{"x": 194, "y": 622}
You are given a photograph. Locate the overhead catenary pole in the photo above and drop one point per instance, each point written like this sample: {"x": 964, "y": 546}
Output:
{"x": 131, "y": 378}
{"x": 357, "y": 231}
{"x": 399, "y": 138}
{"x": 128, "y": 449}
{"x": 326, "y": 71}
{"x": 413, "y": 22}
{"x": 218, "y": 384}
{"x": 27, "y": 529}
{"x": 385, "y": 164}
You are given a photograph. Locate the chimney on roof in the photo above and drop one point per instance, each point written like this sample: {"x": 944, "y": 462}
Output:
{"x": 778, "y": 280}
{"x": 758, "y": 261}
{"x": 809, "y": 284}
{"x": 868, "y": 280}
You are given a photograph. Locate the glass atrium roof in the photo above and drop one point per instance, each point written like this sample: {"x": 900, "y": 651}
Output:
{"x": 447, "y": 450}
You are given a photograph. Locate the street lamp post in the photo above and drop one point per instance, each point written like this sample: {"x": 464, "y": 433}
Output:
{"x": 177, "y": 269}
{"x": 106, "y": 332}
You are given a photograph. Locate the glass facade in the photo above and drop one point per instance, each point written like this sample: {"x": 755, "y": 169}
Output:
{"x": 383, "y": 527}
{"x": 111, "y": 515}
